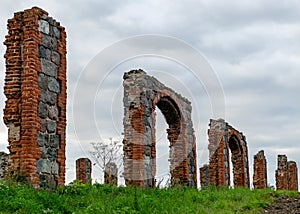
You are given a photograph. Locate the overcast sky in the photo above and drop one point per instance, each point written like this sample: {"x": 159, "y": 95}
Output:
{"x": 251, "y": 46}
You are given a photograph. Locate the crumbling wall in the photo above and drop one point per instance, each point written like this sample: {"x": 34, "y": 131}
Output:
{"x": 35, "y": 88}
{"x": 286, "y": 174}
{"x": 4, "y": 163}
{"x": 142, "y": 94}
{"x": 204, "y": 176}
{"x": 84, "y": 170}
{"x": 260, "y": 171}
{"x": 111, "y": 174}
{"x": 223, "y": 141}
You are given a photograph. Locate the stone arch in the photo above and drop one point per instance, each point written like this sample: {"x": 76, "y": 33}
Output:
{"x": 223, "y": 140}
{"x": 142, "y": 94}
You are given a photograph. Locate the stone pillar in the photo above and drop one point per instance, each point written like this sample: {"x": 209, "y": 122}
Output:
{"x": 84, "y": 170}
{"x": 111, "y": 174}
{"x": 35, "y": 88}
{"x": 4, "y": 162}
{"x": 292, "y": 176}
{"x": 281, "y": 173}
{"x": 260, "y": 171}
{"x": 204, "y": 176}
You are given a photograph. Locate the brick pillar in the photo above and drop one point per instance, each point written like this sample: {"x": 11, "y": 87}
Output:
{"x": 260, "y": 171}
{"x": 204, "y": 176}
{"x": 111, "y": 174}
{"x": 292, "y": 176}
{"x": 281, "y": 174}
{"x": 35, "y": 88}
{"x": 84, "y": 170}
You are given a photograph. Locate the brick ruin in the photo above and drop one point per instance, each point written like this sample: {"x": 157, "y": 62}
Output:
{"x": 286, "y": 174}
{"x": 35, "y": 88}
{"x": 4, "y": 163}
{"x": 225, "y": 141}
{"x": 260, "y": 171}
{"x": 142, "y": 94}
{"x": 84, "y": 170}
{"x": 111, "y": 174}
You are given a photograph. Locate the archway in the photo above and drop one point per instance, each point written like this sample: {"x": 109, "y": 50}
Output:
{"x": 223, "y": 141}
{"x": 142, "y": 94}
{"x": 237, "y": 161}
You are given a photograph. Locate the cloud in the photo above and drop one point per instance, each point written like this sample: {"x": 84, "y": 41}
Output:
{"x": 251, "y": 45}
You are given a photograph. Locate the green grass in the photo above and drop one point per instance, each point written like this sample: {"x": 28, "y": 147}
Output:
{"x": 97, "y": 198}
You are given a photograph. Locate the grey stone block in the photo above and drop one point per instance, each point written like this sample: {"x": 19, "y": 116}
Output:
{"x": 53, "y": 85}
{"x": 49, "y": 42}
{"x": 43, "y": 81}
{"x": 43, "y": 165}
{"x": 48, "y": 97}
{"x": 44, "y": 52}
{"x": 42, "y": 138}
{"x": 54, "y": 168}
{"x": 53, "y": 112}
{"x": 54, "y": 141}
{"x": 55, "y": 57}
{"x": 48, "y": 67}
{"x": 43, "y": 26}
{"x": 56, "y": 32}
{"x": 42, "y": 110}
{"x": 51, "y": 126}
{"x": 43, "y": 153}
{"x": 52, "y": 154}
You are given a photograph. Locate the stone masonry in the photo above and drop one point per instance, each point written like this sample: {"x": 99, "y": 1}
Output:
{"x": 111, "y": 174}
{"x": 84, "y": 170}
{"x": 142, "y": 94}
{"x": 223, "y": 141}
{"x": 4, "y": 162}
{"x": 35, "y": 88}
{"x": 286, "y": 174}
{"x": 260, "y": 171}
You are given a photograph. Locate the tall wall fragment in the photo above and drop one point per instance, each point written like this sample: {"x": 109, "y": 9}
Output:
{"x": 260, "y": 171}
{"x": 286, "y": 174}
{"x": 84, "y": 170}
{"x": 223, "y": 141}
{"x": 142, "y": 94}
{"x": 35, "y": 88}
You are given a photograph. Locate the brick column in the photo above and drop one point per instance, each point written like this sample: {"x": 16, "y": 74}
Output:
{"x": 84, "y": 170}
{"x": 292, "y": 176}
{"x": 260, "y": 171}
{"x": 35, "y": 88}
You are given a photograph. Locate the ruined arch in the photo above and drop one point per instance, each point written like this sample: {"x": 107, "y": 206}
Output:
{"x": 223, "y": 140}
{"x": 142, "y": 95}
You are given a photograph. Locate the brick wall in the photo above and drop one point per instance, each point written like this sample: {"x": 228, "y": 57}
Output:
{"x": 223, "y": 141}
{"x": 35, "y": 88}
{"x": 260, "y": 171}
{"x": 84, "y": 170}
{"x": 286, "y": 174}
{"x": 142, "y": 94}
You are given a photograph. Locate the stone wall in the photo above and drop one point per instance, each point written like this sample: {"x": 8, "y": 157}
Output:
{"x": 142, "y": 94}
{"x": 111, "y": 174}
{"x": 4, "y": 163}
{"x": 84, "y": 170}
{"x": 224, "y": 139}
{"x": 260, "y": 171}
{"x": 286, "y": 174}
{"x": 35, "y": 88}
